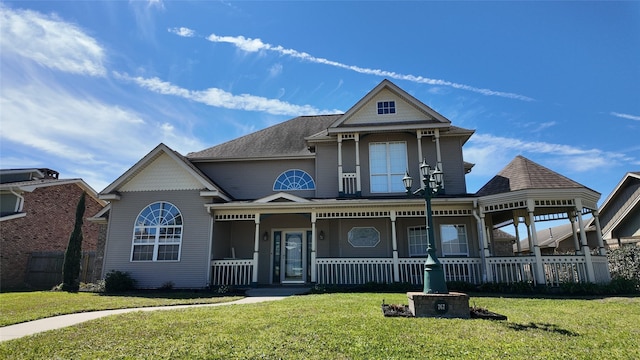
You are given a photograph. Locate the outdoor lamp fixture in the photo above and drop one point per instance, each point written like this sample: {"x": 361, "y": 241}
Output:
{"x": 321, "y": 235}
{"x": 265, "y": 236}
{"x": 432, "y": 184}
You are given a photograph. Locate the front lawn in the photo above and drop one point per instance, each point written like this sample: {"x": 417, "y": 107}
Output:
{"x": 351, "y": 326}
{"x": 19, "y": 307}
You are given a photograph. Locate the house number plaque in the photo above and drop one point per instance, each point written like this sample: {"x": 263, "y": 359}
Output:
{"x": 441, "y": 307}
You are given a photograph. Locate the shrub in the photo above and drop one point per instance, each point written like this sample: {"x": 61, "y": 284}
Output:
{"x": 624, "y": 262}
{"x": 118, "y": 281}
{"x": 168, "y": 285}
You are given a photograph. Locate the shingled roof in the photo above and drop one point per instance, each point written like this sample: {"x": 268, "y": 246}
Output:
{"x": 281, "y": 140}
{"x": 524, "y": 174}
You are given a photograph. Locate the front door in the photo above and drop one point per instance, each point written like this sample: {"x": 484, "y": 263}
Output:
{"x": 290, "y": 256}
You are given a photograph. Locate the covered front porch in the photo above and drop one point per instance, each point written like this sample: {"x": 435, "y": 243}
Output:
{"x": 254, "y": 244}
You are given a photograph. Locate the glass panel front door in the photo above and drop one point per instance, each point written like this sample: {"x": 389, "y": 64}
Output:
{"x": 293, "y": 257}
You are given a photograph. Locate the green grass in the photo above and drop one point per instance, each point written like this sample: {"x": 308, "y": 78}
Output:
{"x": 19, "y": 307}
{"x": 351, "y": 326}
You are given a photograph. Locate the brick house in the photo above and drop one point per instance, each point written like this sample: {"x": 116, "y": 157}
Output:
{"x": 37, "y": 217}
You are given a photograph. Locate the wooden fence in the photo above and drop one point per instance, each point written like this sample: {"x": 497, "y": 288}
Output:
{"x": 44, "y": 269}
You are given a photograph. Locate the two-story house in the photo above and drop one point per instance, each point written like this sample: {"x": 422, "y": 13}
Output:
{"x": 320, "y": 199}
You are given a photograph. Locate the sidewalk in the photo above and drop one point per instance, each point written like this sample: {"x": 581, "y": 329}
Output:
{"x": 57, "y": 322}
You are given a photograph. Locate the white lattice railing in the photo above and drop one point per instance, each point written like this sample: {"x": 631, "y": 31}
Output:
{"x": 512, "y": 269}
{"x": 231, "y": 272}
{"x": 455, "y": 269}
{"x": 350, "y": 271}
{"x": 349, "y": 183}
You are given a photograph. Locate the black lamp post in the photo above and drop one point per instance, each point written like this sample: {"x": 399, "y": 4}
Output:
{"x": 432, "y": 183}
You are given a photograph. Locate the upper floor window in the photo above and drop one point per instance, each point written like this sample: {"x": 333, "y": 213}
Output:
{"x": 454, "y": 240}
{"x": 294, "y": 180}
{"x": 386, "y": 107}
{"x": 157, "y": 233}
{"x": 387, "y": 165}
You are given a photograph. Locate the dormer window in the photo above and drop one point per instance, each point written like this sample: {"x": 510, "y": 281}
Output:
{"x": 386, "y": 107}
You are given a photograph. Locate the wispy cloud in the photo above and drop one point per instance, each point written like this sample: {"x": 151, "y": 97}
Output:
{"x": 50, "y": 42}
{"x": 626, "y": 116}
{"x": 182, "y": 31}
{"x": 223, "y": 99}
{"x": 490, "y": 152}
{"x": 256, "y": 45}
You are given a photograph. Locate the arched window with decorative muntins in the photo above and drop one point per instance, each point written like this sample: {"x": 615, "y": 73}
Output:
{"x": 157, "y": 233}
{"x": 294, "y": 179}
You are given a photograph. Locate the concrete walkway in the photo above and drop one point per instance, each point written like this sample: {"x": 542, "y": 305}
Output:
{"x": 57, "y": 322}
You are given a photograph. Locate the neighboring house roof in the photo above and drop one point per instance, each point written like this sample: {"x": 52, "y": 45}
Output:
{"x": 179, "y": 162}
{"x": 286, "y": 139}
{"x": 620, "y": 204}
{"x": 502, "y": 235}
{"x": 19, "y": 187}
{"x": 524, "y": 174}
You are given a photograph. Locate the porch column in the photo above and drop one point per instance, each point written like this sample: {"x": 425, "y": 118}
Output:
{"x": 314, "y": 246}
{"x": 340, "y": 181}
{"x": 596, "y": 217}
{"x": 256, "y": 247}
{"x": 438, "y": 155}
{"x": 488, "y": 274}
{"x": 527, "y": 223}
{"x": 394, "y": 244}
{"x": 419, "y": 137}
{"x": 574, "y": 233}
{"x": 539, "y": 268}
{"x": 358, "y": 180}
{"x": 516, "y": 223}
{"x": 585, "y": 245}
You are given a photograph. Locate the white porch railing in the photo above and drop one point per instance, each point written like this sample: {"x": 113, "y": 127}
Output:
{"x": 455, "y": 269}
{"x": 354, "y": 271}
{"x": 349, "y": 183}
{"x": 350, "y": 271}
{"x": 231, "y": 272}
{"x": 512, "y": 269}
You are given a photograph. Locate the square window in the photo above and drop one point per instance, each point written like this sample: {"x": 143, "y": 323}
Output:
{"x": 386, "y": 107}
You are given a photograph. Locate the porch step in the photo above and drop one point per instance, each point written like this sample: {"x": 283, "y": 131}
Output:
{"x": 277, "y": 291}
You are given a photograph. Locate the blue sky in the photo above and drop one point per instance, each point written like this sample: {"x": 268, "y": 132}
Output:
{"x": 88, "y": 88}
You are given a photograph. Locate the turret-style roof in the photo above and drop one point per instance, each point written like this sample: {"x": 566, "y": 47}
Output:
{"x": 524, "y": 174}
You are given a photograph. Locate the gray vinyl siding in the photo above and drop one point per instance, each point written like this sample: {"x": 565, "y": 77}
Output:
{"x": 192, "y": 269}
{"x": 326, "y": 170}
{"x": 248, "y": 180}
{"x": 336, "y": 242}
{"x": 453, "y": 166}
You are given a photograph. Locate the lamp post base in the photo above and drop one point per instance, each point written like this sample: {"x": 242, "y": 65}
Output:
{"x": 451, "y": 305}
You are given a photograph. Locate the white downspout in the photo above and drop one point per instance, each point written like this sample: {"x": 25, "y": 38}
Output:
{"x": 20, "y": 202}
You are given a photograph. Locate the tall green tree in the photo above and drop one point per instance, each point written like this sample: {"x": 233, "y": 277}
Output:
{"x": 73, "y": 255}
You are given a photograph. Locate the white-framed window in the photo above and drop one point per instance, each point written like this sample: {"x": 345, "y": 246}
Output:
{"x": 454, "y": 240}
{"x": 294, "y": 179}
{"x": 386, "y": 107}
{"x": 364, "y": 237}
{"x": 417, "y": 237}
{"x": 387, "y": 165}
{"x": 157, "y": 233}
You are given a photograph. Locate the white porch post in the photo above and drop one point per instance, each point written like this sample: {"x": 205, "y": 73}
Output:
{"x": 438, "y": 155}
{"x": 358, "y": 180}
{"x": 527, "y": 223}
{"x": 256, "y": 247}
{"x": 516, "y": 222}
{"x": 585, "y": 246}
{"x": 394, "y": 244}
{"x": 340, "y": 181}
{"x": 314, "y": 246}
{"x": 596, "y": 217}
{"x": 574, "y": 233}
{"x": 419, "y": 137}
{"x": 485, "y": 247}
{"x": 540, "y": 277}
